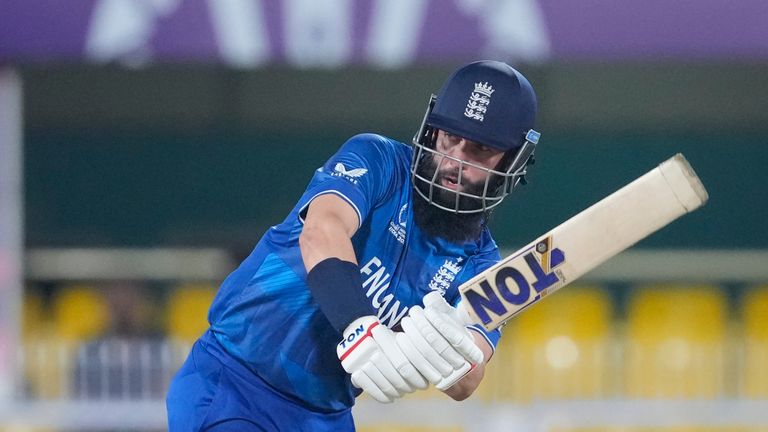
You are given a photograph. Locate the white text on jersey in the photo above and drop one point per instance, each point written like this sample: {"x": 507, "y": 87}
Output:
{"x": 390, "y": 311}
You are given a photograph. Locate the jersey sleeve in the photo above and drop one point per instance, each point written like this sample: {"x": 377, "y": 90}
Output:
{"x": 360, "y": 173}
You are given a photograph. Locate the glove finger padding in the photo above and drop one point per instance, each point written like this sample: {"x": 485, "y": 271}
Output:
{"x": 433, "y": 300}
{"x": 369, "y": 352}
{"x": 381, "y": 372}
{"x": 426, "y": 371}
{"x": 435, "y": 338}
{"x": 388, "y": 372}
{"x": 362, "y": 381}
{"x": 449, "y": 322}
{"x": 407, "y": 378}
{"x": 433, "y": 358}
{"x": 457, "y": 335}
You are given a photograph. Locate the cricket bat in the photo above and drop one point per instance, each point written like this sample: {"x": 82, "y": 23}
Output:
{"x": 583, "y": 242}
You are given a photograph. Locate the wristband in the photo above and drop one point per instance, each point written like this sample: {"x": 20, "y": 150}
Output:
{"x": 337, "y": 288}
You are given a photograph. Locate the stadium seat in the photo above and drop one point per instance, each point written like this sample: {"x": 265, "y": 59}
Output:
{"x": 34, "y": 319}
{"x": 42, "y": 378}
{"x": 754, "y": 316}
{"x": 80, "y": 312}
{"x": 675, "y": 346}
{"x": 188, "y": 307}
{"x": 558, "y": 349}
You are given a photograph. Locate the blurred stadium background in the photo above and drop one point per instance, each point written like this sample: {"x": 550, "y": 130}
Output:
{"x": 145, "y": 145}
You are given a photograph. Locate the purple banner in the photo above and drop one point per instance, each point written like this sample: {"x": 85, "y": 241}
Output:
{"x": 385, "y": 33}
{"x": 681, "y": 29}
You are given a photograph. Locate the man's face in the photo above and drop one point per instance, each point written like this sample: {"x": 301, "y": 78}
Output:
{"x": 468, "y": 151}
{"x": 437, "y": 168}
{"x": 472, "y": 178}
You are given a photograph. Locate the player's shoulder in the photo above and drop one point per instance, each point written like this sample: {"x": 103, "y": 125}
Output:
{"x": 487, "y": 249}
{"x": 374, "y": 143}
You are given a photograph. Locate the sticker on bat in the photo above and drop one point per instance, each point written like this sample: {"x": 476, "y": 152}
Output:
{"x": 508, "y": 290}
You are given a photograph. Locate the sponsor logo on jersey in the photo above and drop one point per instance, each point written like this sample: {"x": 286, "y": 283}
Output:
{"x": 377, "y": 280}
{"x": 478, "y": 102}
{"x": 398, "y": 229}
{"x": 445, "y": 275}
{"x": 352, "y": 175}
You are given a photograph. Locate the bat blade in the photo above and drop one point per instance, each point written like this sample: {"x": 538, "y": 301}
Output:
{"x": 583, "y": 242}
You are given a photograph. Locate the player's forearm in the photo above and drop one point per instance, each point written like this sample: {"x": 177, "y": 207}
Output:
{"x": 467, "y": 385}
{"x": 333, "y": 277}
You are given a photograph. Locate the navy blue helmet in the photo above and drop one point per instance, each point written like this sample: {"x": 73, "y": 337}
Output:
{"x": 490, "y": 103}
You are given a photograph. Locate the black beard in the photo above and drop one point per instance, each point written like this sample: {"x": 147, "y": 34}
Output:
{"x": 436, "y": 222}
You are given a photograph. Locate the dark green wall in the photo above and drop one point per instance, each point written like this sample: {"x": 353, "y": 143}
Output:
{"x": 213, "y": 157}
{"x": 224, "y": 188}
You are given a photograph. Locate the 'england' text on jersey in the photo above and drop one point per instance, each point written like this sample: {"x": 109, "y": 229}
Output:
{"x": 390, "y": 311}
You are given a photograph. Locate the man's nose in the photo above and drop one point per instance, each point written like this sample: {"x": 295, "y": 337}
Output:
{"x": 457, "y": 153}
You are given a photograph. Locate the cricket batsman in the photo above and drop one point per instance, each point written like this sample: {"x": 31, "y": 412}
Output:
{"x": 355, "y": 291}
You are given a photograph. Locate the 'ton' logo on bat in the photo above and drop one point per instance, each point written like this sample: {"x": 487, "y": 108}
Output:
{"x": 508, "y": 290}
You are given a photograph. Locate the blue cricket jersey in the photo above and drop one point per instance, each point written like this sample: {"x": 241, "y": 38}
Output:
{"x": 264, "y": 315}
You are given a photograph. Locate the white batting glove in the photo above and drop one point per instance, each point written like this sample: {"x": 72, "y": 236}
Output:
{"x": 369, "y": 352}
{"x": 437, "y": 342}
